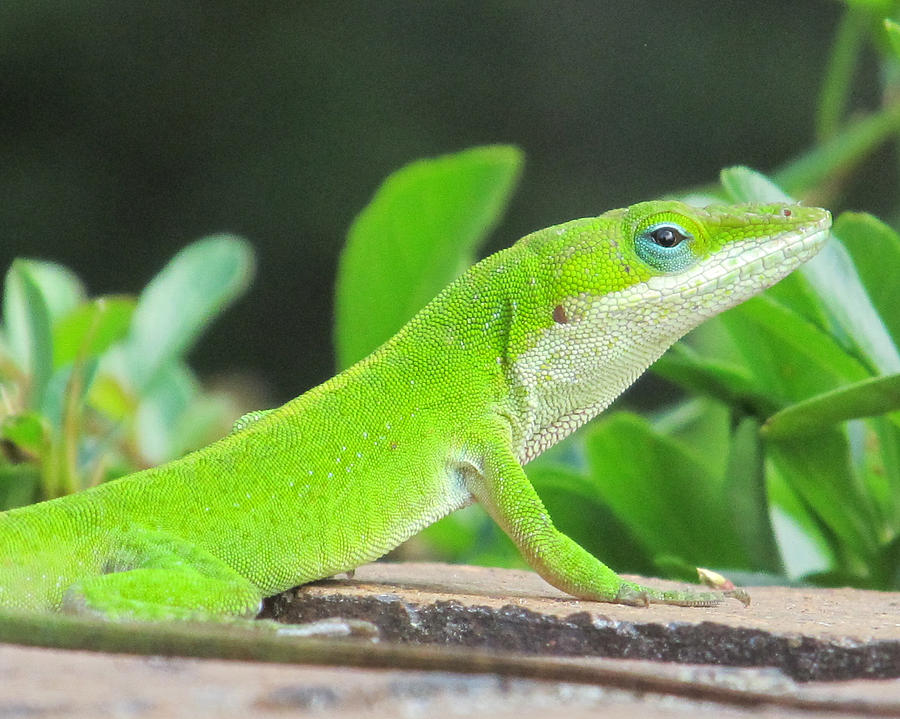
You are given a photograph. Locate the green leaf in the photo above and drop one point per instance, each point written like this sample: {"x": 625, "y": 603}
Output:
{"x": 882, "y": 469}
{"x": 869, "y": 397}
{"x": 28, "y": 431}
{"x": 745, "y": 497}
{"x": 892, "y": 30}
{"x": 745, "y": 185}
{"x": 420, "y": 230}
{"x": 91, "y": 328}
{"x": 850, "y": 308}
{"x": 172, "y": 311}
{"x": 18, "y": 485}
{"x": 69, "y": 384}
{"x": 887, "y": 566}
{"x": 789, "y": 357}
{"x": 795, "y": 293}
{"x": 849, "y": 40}
{"x": 837, "y": 283}
{"x": 111, "y": 398}
{"x": 579, "y": 510}
{"x": 701, "y": 198}
{"x": 701, "y": 423}
{"x": 27, "y": 323}
{"x": 202, "y": 421}
{"x": 838, "y": 155}
{"x": 60, "y": 287}
{"x": 806, "y": 545}
{"x": 818, "y": 470}
{"x": 666, "y": 498}
{"x": 160, "y": 411}
{"x": 729, "y": 383}
{"x": 875, "y": 250}
{"x": 467, "y": 536}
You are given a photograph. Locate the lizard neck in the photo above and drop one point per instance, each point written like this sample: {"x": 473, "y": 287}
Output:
{"x": 576, "y": 368}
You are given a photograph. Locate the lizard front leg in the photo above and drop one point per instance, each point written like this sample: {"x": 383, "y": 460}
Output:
{"x": 498, "y": 482}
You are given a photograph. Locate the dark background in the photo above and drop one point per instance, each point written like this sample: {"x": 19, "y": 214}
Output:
{"x": 129, "y": 129}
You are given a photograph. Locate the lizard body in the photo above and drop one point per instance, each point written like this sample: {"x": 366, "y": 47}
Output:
{"x": 510, "y": 358}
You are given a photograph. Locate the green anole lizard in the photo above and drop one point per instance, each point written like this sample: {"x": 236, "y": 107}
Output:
{"x": 510, "y": 358}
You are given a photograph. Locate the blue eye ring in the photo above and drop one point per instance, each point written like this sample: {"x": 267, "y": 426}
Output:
{"x": 665, "y": 246}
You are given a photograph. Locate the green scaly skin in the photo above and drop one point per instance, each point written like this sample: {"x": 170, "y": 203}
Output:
{"x": 507, "y": 360}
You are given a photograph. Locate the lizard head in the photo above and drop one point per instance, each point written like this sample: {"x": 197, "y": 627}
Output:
{"x": 672, "y": 249}
{"x": 726, "y": 253}
{"x": 624, "y": 286}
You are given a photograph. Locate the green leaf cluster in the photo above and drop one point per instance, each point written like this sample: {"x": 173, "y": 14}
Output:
{"x": 92, "y": 387}
{"x": 813, "y": 365}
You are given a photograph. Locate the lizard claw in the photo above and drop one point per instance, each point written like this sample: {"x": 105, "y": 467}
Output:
{"x": 738, "y": 594}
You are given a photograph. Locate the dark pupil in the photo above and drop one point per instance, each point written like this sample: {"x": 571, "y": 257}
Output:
{"x": 666, "y": 236}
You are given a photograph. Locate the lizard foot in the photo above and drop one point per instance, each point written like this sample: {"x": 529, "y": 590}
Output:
{"x": 639, "y": 596}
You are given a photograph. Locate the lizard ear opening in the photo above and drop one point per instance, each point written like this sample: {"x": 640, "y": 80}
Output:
{"x": 560, "y": 316}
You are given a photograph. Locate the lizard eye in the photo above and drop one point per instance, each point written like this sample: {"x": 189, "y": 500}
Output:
{"x": 666, "y": 247}
{"x": 667, "y": 236}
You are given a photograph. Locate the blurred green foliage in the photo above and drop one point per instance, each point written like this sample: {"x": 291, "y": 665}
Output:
{"x": 129, "y": 129}
{"x": 96, "y": 387}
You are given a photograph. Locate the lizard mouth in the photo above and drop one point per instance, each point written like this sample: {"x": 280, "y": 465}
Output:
{"x": 745, "y": 267}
